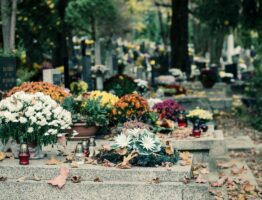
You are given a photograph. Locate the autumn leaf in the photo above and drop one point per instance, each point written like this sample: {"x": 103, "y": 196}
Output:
{"x": 52, "y": 161}
{"x": 204, "y": 171}
{"x": 216, "y": 193}
{"x": 235, "y": 170}
{"x": 223, "y": 165}
{"x": 74, "y": 164}
{"x": 36, "y": 177}
{"x": 76, "y": 179}
{"x": 122, "y": 151}
{"x": 186, "y": 158}
{"x": 219, "y": 182}
{"x": 2, "y": 178}
{"x": 125, "y": 164}
{"x": 186, "y": 180}
{"x": 60, "y": 180}
{"x": 2, "y": 155}
{"x": 155, "y": 181}
{"x": 201, "y": 179}
{"x": 169, "y": 148}
{"x": 248, "y": 187}
{"x": 107, "y": 163}
{"x": 21, "y": 179}
{"x": 97, "y": 180}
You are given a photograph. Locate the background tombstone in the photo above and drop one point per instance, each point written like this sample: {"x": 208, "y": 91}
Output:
{"x": 48, "y": 75}
{"x": 98, "y": 53}
{"x": 86, "y": 76}
{"x": 7, "y": 73}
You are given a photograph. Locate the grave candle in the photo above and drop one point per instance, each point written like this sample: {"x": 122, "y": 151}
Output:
{"x": 196, "y": 129}
{"x": 24, "y": 154}
{"x": 181, "y": 120}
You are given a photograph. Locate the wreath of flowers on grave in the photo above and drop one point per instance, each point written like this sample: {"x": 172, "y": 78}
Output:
{"x": 149, "y": 149}
{"x": 32, "y": 118}
{"x": 120, "y": 85}
{"x": 55, "y": 92}
{"x": 131, "y": 106}
{"x": 106, "y": 98}
{"x": 168, "y": 109}
{"x": 201, "y": 114}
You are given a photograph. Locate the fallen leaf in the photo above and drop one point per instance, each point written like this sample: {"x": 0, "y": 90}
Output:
{"x": 74, "y": 164}
{"x": 186, "y": 158}
{"x": 248, "y": 187}
{"x": 21, "y": 179}
{"x": 60, "y": 180}
{"x": 2, "y": 155}
{"x": 125, "y": 164}
{"x": 106, "y": 147}
{"x": 204, "y": 171}
{"x": 97, "y": 180}
{"x": 9, "y": 155}
{"x": 76, "y": 179}
{"x": 107, "y": 163}
{"x": 201, "y": 179}
{"x": 223, "y": 165}
{"x": 235, "y": 170}
{"x": 155, "y": 180}
{"x": 52, "y": 161}
{"x": 219, "y": 182}
{"x": 186, "y": 180}
{"x": 169, "y": 148}
{"x": 216, "y": 193}
{"x": 36, "y": 178}
{"x": 2, "y": 178}
{"x": 122, "y": 151}
{"x": 167, "y": 165}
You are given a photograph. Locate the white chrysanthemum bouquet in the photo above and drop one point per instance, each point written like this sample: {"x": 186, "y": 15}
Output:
{"x": 32, "y": 118}
{"x": 141, "y": 140}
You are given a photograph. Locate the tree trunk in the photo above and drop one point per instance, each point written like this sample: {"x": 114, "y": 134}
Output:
{"x": 5, "y": 10}
{"x": 179, "y": 36}
{"x": 13, "y": 24}
{"x": 215, "y": 47}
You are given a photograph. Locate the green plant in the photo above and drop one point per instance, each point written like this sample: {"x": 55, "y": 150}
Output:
{"x": 74, "y": 107}
{"x": 78, "y": 87}
{"x": 95, "y": 114}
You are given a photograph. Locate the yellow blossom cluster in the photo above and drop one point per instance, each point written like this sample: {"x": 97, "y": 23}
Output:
{"x": 200, "y": 113}
{"x": 105, "y": 97}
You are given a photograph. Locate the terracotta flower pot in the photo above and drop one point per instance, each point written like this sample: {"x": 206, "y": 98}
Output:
{"x": 83, "y": 131}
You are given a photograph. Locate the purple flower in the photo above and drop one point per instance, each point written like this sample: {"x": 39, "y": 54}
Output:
{"x": 168, "y": 109}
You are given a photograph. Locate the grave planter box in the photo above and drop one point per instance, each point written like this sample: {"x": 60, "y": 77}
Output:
{"x": 7, "y": 72}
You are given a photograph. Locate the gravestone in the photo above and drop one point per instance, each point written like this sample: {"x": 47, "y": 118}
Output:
{"x": 52, "y": 76}
{"x": 97, "y": 53}
{"x": 86, "y": 62}
{"x": 7, "y": 73}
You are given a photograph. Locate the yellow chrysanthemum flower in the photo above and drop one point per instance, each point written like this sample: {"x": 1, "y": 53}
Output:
{"x": 105, "y": 97}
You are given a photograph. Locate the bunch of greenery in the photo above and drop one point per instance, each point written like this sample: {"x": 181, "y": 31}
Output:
{"x": 74, "y": 107}
{"x": 78, "y": 87}
{"x": 95, "y": 114}
{"x": 120, "y": 85}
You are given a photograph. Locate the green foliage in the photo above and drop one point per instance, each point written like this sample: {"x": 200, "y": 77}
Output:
{"x": 78, "y": 88}
{"x": 83, "y": 14}
{"x": 24, "y": 75}
{"x": 95, "y": 114}
{"x": 120, "y": 85}
{"x": 151, "y": 160}
{"x": 74, "y": 107}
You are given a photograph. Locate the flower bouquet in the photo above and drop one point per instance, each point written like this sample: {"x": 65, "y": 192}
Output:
{"x": 131, "y": 106}
{"x": 78, "y": 88}
{"x": 202, "y": 115}
{"x": 105, "y": 98}
{"x": 32, "y": 118}
{"x": 168, "y": 109}
{"x": 165, "y": 80}
{"x": 142, "y": 86}
{"x": 120, "y": 85}
{"x": 99, "y": 69}
{"x": 141, "y": 147}
{"x": 55, "y": 92}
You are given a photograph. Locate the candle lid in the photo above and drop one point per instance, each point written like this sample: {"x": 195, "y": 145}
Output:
{"x": 23, "y": 148}
{"x": 92, "y": 142}
{"x": 86, "y": 144}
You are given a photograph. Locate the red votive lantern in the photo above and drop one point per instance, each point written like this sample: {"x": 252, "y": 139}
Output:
{"x": 24, "y": 154}
{"x": 85, "y": 145}
{"x": 196, "y": 130}
{"x": 181, "y": 120}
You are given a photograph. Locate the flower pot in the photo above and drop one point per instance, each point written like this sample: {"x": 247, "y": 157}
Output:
{"x": 83, "y": 131}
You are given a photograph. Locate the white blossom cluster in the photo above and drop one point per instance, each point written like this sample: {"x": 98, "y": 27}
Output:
{"x": 35, "y": 111}
{"x": 99, "y": 69}
{"x": 153, "y": 101}
{"x": 141, "y": 83}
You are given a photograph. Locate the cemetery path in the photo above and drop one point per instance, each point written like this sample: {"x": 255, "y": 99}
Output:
{"x": 232, "y": 127}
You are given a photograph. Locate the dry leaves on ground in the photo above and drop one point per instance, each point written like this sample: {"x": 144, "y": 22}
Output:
{"x": 2, "y": 155}
{"x": 216, "y": 193}
{"x": 36, "y": 177}
{"x": 185, "y": 158}
{"x": 169, "y": 148}
{"x": 91, "y": 161}
{"x": 125, "y": 164}
{"x": 97, "y": 180}
{"x": 60, "y": 180}
{"x": 3, "y": 178}
{"x": 74, "y": 164}
{"x": 52, "y": 161}
{"x": 220, "y": 182}
{"x": 107, "y": 163}
{"x": 201, "y": 179}
{"x": 236, "y": 171}
{"x": 155, "y": 181}
{"x": 21, "y": 179}
{"x": 223, "y": 165}
{"x": 76, "y": 179}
